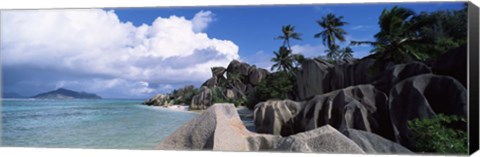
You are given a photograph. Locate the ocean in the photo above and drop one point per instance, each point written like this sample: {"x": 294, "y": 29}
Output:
{"x": 87, "y": 123}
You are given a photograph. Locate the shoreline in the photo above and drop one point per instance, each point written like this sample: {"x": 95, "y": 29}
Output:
{"x": 242, "y": 111}
{"x": 178, "y": 108}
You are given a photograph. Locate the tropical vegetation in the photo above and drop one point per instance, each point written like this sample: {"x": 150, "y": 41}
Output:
{"x": 331, "y": 33}
{"x": 434, "y": 135}
{"x": 397, "y": 37}
{"x": 219, "y": 97}
{"x": 184, "y": 95}
{"x": 405, "y": 36}
{"x": 289, "y": 33}
{"x": 283, "y": 59}
{"x": 331, "y": 30}
{"x": 277, "y": 85}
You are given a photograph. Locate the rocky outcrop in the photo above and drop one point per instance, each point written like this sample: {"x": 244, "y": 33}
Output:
{"x": 309, "y": 79}
{"x": 324, "y": 139}
{"x": 201, "y": 133}
{"x": 319, "y": 77}
{"x": 364, "y": 107}
{"x": 239, "y": 67}
{"x": 220, "y": 128}
{"x": 241, "y": 80}
{"x": 361, "y": 107}
{"x": 372, "y": 143}
{"x": 276, "y": 116}
{"x": 363, "y": 72}
{"x": 453, "y": 63}
{"x": 218, "y": 71}
{"x": 230, "y": 93}
{"x": 352, "y": 107}
{"x": 421, "y": 97}
{"x": 217, "y": 77}
{"x": 256, "y": 75}
{"x": 234, "y": 83}
{"x": 158, "y": 100}
{"x": 381, "y": 106}
{"x": 202, "y": 100}
{"x": 210, "y": 83}
{"x": 399, "y": 72}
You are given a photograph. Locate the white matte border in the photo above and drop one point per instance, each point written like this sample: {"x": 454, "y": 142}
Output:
{"x": 60, "y": 4}
{"x": 38, "y": 4}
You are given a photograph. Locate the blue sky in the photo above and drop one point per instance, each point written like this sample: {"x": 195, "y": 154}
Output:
{"x": 138, "y": 52}
{"x": 254, "y": 27}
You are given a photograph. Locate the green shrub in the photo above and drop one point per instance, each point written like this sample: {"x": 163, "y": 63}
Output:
{"x": 219, "y": 97}
{"x": 238, "y": 101}
{"x": 433, "y": 135}
{"x": 275, "y": 86}
{"x": 184, "y": 95}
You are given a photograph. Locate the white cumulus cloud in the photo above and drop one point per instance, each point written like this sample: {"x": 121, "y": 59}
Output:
{"x": 308, "y": 50}
{"x": 260, "y": 59}
{"x": 94, "y": 42}
{"x": 201, "y": 20}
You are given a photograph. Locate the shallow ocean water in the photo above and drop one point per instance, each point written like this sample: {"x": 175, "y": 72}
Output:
{"x": 84, "y": 123}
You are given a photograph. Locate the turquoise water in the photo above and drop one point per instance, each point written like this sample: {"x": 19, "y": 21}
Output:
{"x": 103, "y": 123}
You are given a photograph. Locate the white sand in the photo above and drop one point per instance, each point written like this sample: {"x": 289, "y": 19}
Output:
{"x": 178, "y": 107}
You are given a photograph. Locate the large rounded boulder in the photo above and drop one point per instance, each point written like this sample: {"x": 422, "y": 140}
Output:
{"x": 399, "y": 72}
{"x": 256, "y": 75}
{"x": 236, "y": 66}
{"x": 354, "y": 107}
{"x": 324, "y": 139}
{"x": 218, "y": 71}
{"x": 424, "y": 96}
{"x": 372, "y": 143}
{"x": 202, "y": 100}
{"x": 276, "y": 116}
{"x": 210, "y": 83}
{"x": 310, "y": 78}
{"x": 453, "y": 63}
{"x": 363, "y": 71}
{"x": 219, "y": 128}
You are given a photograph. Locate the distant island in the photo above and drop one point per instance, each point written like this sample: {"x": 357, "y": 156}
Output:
{"x": 63, "y": 93}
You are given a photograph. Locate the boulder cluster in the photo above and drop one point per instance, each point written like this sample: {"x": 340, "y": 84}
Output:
{"x": 341, "y": 108}
{"x": 351, "y": 96}
{"x": 235, "y": 82}
{"x": 159, "y": 100}
{"x": 219, "y": 122}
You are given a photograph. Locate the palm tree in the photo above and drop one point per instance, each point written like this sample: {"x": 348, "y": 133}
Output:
{"x": 298, "y": 58}
{"x": 331, "y": 30}
{"x": 297, "y": 61}
{"x": 397, "y": 38}
{"x": 333, "y": 53}
{"x": 347, "y": 53}
{"x": 283, "y": 59}
{"x": 289, "y": 33}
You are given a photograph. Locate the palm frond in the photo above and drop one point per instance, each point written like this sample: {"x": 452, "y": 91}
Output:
{"x": 357, "y": 43}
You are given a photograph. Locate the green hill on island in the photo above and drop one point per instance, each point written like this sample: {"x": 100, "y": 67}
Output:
{"x": 62, "y": 93}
